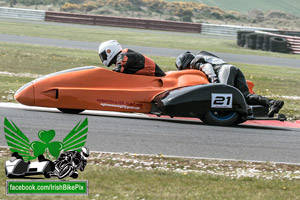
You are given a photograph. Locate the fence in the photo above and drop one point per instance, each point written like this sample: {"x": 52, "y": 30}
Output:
{"x": 17, "y": 13}
{"x": 123, "y": 22}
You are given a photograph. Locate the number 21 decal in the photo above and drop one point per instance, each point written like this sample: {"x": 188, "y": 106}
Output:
{"x": 221, "y": 100}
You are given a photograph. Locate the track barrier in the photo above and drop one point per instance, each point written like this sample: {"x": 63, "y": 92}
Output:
{"x": 269, "y": 41}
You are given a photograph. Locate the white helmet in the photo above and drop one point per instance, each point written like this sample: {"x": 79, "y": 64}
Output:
{"x": 85, "y": 152}
{"x": 108, "y": 50}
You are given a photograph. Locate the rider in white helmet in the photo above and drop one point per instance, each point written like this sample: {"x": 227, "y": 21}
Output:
{"x": 108, "y": 51}
{"x": 126, "y": 60}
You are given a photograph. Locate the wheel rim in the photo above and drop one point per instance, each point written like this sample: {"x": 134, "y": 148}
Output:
{"x": 222, "y": 115}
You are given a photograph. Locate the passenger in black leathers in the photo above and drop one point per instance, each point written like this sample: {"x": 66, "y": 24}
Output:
{"x": 218, "y": 71}
{"x": 69, "y": 162}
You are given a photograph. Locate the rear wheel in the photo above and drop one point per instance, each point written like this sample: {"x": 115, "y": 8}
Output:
{"x": 221, "y": 118}
{"x": 70, "y": 111}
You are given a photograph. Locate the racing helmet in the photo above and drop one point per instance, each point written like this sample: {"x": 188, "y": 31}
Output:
{"x": 183, "y": 60}
{"x": 108, "y": 50}
{"x": 85, "y": 152}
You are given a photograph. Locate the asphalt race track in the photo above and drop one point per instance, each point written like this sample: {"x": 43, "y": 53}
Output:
{"x": 115, "y": 132}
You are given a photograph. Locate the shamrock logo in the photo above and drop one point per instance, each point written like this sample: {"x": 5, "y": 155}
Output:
{"x": 46, "y": 137}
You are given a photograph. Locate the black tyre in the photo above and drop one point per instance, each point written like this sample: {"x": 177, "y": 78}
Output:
{"x": 46, "y": 175}
{"x": 74, "y": 175}
{"x": 243, "y": 39}
{"x": 240, "y": 121}
{"x": 240, "y": 40}
{"x": 259, "y": 41}
{"x": 239, "y": 34}
{"x": 266, "y": 44}
{"x": 278, "y": 44}
{"x": 70, "y": 111}
{"x": 251, "y": 40}
{"x": 65, "y": 170}
{"x": 202, "y": 118}
{"x": 221, "y": 118}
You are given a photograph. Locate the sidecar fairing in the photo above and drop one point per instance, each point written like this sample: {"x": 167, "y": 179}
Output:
{"x": 216, "y": 104}
{"x": 96, "y": 88}
{"x": 185, "y": 93}
{"x": 19, "y": 168}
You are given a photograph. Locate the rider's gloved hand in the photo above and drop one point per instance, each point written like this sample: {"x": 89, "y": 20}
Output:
{"x": 213, "y": 79}
{"x": 197, "y": 61}
{"x": 117, "y": 68}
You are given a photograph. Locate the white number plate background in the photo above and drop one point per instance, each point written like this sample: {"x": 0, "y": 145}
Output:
{"x": 221, "y": 100}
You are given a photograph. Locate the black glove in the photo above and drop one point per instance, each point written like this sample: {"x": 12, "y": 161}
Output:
{"x": 213, "y": 79}
{"x": 197, "y": 61}
{"x": 196, "y": 66}
{"x": 117, "y": 68}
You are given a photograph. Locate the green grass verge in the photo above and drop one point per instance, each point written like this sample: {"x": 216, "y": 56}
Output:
{"x": 131, "y": 184}
{"x": 154, "y": 39}
{"x": 127, "y": 176}
{"x": 20, "y": 59}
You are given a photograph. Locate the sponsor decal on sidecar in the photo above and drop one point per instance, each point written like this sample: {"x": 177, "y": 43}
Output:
{"x": 120, "y": 104}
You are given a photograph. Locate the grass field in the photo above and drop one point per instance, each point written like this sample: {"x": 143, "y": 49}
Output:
{"x": 141, "y": 38}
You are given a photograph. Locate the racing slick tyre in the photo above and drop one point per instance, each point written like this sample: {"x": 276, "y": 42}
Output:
{"x": 70, "y": 111}
{"x": 221, "y": 118}
{"x": 65, "y": 170}
{"x": 240, "y": 121}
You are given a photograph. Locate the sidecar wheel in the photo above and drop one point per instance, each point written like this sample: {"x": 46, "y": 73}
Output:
{"x": 221, "y": 118}
{"x": 46, "y": 175}
{"x": 70, "y": 111}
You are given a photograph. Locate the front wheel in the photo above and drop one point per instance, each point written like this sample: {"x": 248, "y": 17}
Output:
{"x": 70, "y": 111}
{"x": 220, "y": 118}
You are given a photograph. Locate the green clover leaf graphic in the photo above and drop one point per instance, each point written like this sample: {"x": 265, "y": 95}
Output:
{"x": 39, "y": 148}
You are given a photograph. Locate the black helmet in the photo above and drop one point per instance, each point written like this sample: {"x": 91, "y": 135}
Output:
{"x": 184, "y": 60}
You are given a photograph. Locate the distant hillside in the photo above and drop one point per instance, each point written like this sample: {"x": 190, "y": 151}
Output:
{"x": 288, "y": 6}
{"x": 185, "y": 10}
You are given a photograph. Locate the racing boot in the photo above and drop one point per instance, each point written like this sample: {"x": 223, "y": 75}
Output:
{"x": 274, "y": 107}
{"x": 255, "y": 99}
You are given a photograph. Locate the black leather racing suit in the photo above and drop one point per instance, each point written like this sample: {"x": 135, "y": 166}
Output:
{"x": 218, "y": 70}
